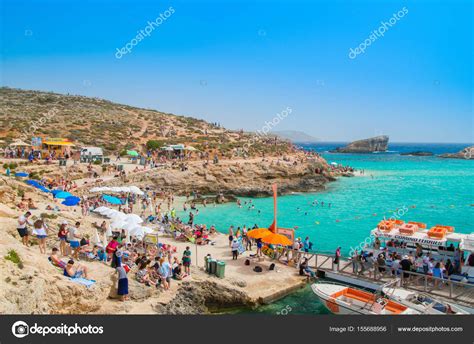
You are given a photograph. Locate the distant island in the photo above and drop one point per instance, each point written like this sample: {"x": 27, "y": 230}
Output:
{"x": 295, "y": 136}
{"x": 370, "y": 145}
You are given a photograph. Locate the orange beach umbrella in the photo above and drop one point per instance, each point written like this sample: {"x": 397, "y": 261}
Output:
{"x": 258, "y": 233}
{"x": 277, "y": 239}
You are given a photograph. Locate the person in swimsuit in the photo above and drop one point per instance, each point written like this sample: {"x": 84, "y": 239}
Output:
{"x": 55, "y": 260}
{"x": 75, "y": 272}
{"x": 62, "y": 235}
{"x": 231, "y": 235}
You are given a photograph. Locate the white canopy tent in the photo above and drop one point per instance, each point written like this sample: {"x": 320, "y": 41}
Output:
{"x": 127, "y": 189}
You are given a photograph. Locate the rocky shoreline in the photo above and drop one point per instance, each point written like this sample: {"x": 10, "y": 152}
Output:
{"x": 243, "y": 179}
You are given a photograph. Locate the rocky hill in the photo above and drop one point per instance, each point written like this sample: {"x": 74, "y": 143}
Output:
{"x": 114, "y": 127}
{"x": 373, "y": 144}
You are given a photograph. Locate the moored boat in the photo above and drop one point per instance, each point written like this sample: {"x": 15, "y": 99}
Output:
{"x": 340, "y": 299}
{"x": 426, "y": 304}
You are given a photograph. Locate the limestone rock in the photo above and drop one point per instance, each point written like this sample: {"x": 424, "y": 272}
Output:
{"x": 373, "y": 144}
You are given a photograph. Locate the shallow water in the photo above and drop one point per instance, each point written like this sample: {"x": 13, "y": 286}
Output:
{"x": 424, "y": 189}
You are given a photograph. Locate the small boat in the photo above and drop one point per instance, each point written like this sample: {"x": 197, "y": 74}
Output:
{"x": 422, "y": 302}
{"x": 340, "y": 299}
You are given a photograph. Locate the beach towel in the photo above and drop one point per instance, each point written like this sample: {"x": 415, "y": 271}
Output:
{"x": 82, "y": 281}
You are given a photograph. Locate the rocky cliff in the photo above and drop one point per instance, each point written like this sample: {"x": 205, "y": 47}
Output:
{"x": 466, "y": 153}
{"x": 373, "y": 144}
{"x": 244, "y": 178}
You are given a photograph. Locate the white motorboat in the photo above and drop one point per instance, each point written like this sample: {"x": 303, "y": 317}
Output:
{"x": 422, "y": 302}
{"x": 340, "y": 299}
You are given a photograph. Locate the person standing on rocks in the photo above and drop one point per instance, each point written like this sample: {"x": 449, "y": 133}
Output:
{"x": 187, "y": 260}
{"x": 235, "y": 249}
{"x": 22, "y": 228}
{"x": 73, "y": 238}
{"x": 122, "y": 288}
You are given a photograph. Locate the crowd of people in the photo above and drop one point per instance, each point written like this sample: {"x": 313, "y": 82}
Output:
{"x": 388, "y": 260}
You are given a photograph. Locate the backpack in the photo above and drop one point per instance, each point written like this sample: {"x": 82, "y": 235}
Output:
{"x": 247, "y": 262}
{"x": 272, "y": 267}
{"x": 258, "y": 269}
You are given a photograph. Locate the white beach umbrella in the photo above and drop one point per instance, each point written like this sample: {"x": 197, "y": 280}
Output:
{"x": 140, "y": 231}
{"x": 108, "y": 233}
{"x": 97, "y": 189}
{"x": 129, "y": 226}
{"x": 109, "y": 213}
{"x": 95, "y": 237}
{"x": 136, "y": 190}
{"x": 118, "y": 216}
{"x": 99, "y": 209}
{"x": 118, "y": 223}
{"x": 134, "y": 218}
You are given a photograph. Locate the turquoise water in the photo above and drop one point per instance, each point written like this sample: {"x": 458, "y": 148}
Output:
{"x": 429, "y": 189}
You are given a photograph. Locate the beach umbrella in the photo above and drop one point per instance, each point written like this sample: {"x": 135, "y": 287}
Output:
{"x": 134, "y": 218}
{"x": 108, "y": 233}
{"x": 62, "y": 194}
{"x": 112, "y": 199}
{"x": 132, "y": 153}
{"x": 55, "y": 192}
{"x": 42, "y": 188}
{"x": 140, "y": 231}
{"x": 118, "y": 216}
{"x": 100, "y": 189}
{"x": 100, "y": 209}
{"x": 95, "y": 238}
{"x": 21, "y": 174}
{"x": 136, "y": 190}
{"x": 71, "y": 201}
{"x": 19, "y": 143}
{"x": 190, "y": 148}
{"x": 32, "y": 182}
{"x": 118, "y": 223}
{"x": 276, "y": 239}
{"x": 109, "y": 213}
{"x": 258, "y": 233}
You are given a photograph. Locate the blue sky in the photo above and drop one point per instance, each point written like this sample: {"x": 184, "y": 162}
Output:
{"x": 242, "y": 62}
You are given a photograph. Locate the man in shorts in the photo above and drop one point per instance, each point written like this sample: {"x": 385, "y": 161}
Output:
{"x": 74, "y": 237}
{"x": 23, "y": 221}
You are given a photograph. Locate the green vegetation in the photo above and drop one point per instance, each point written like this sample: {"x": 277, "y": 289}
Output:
{"x": 154, "y": 144}
{"x": 14, "y": 258}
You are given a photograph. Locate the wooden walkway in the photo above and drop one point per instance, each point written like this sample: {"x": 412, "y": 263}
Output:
{"x": 323, "y": 264}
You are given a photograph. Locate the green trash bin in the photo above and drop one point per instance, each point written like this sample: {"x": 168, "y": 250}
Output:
{"x": 212, "y": 266}
{"x": 220, "y": 271}
{"x": 206, "y": 263}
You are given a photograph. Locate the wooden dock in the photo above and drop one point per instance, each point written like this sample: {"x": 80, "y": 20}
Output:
{"x": 461, "y": 293}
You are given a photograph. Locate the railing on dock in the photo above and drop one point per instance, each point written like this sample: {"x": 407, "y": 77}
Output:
{"x": 457, "y": 291}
